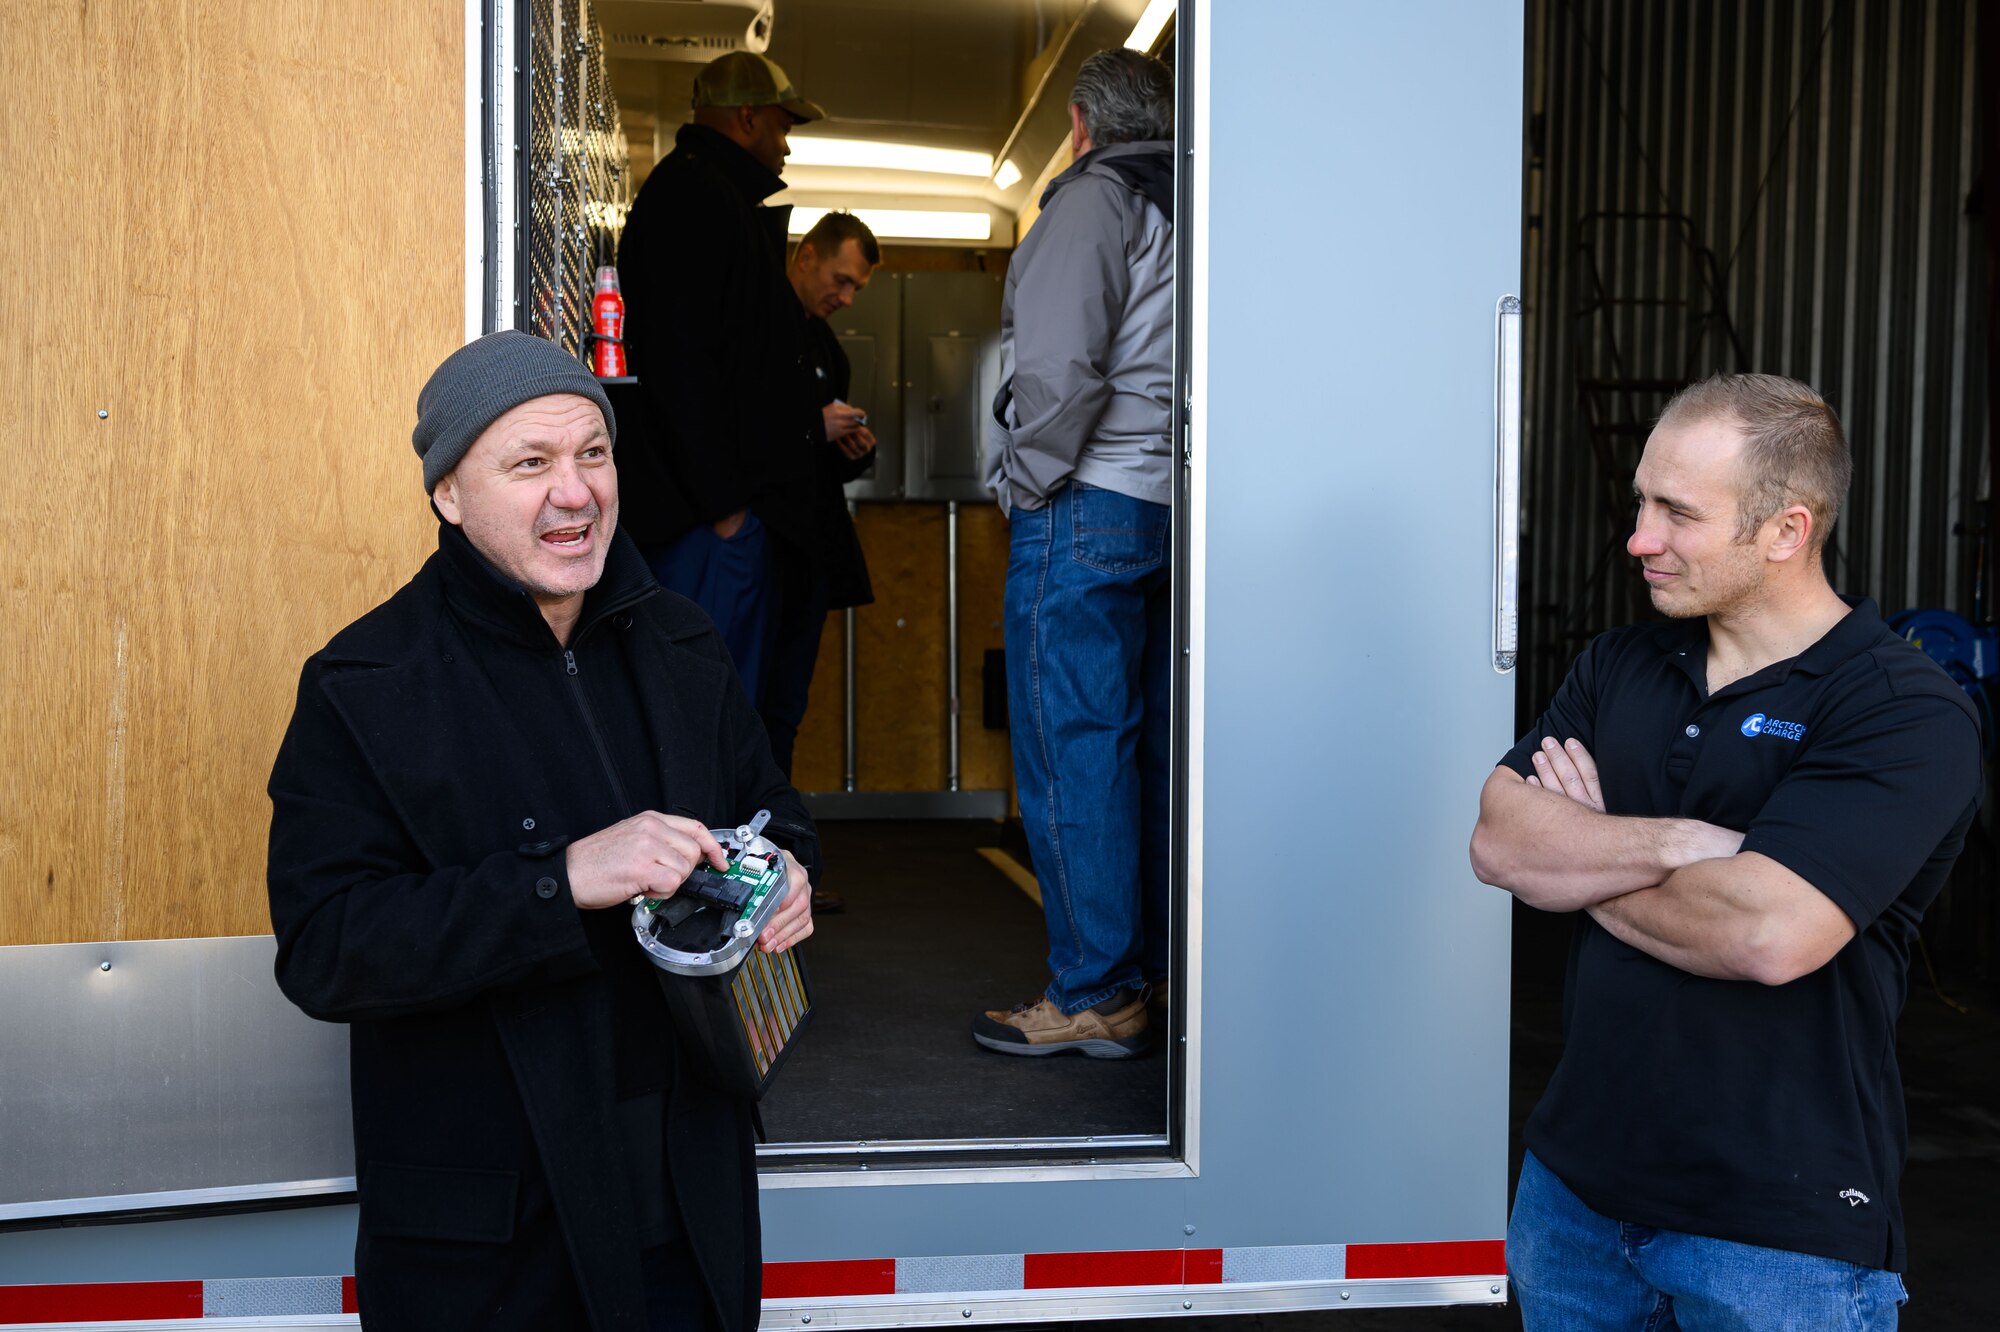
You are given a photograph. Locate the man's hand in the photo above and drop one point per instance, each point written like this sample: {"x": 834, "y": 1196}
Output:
{"x": 1568, "y": 769}
{"x": 793, "y": 920}
{"x": 730, "y": 526}
{"x": 648, "y": 855}
{"x": 842, "y": 418}
{"x": 857, "y": 444}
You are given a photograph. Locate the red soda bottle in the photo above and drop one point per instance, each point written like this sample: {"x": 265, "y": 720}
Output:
{"x": 607, "y": 326}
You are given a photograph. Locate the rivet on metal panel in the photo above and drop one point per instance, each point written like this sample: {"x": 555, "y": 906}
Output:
{"x": 1346, "y": 1295}
{"x": 965, "y": 1313}
{"x": 1493, "y": 1289}
{"x": 1187, "y": 1304}
{"x": 805, "y": 1318}
{"x": 1188, "y": 1229}
{"x": 104, "y": 966}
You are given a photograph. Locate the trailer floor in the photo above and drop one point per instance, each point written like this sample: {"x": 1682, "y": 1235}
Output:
{"x": 933, "y": 933}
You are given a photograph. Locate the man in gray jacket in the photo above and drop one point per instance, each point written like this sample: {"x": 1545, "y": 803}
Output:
{"x": 1079, "y": 456}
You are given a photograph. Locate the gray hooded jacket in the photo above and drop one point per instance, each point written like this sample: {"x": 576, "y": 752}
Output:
{"x": 1087, "y": 344}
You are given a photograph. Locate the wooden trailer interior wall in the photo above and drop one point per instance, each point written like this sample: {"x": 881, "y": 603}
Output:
{"x": 235, "y": 244}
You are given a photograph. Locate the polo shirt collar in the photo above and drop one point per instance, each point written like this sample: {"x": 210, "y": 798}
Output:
{"x": 1687, "y": 649}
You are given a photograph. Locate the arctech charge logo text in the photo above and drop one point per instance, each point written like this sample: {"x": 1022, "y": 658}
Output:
{"x": 1757, "y": 724}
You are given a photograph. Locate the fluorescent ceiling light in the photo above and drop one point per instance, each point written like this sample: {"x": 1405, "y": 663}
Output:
{"x": 1007, "y": 175}
{"x": 1147, "y": 30}
{"x": 812, "y": 150}
{"x": 908, "y": 223}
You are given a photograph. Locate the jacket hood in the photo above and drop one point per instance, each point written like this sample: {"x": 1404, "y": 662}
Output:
{"x": 1145, "y": 168}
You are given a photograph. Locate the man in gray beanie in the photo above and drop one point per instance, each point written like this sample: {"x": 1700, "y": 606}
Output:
{"x": 479, "y": 773}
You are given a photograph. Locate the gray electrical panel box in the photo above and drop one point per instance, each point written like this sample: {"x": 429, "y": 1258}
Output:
{"x": 871, "y": 333}
{"x": 925, "y": 354}
{"x": 951, "y": 370}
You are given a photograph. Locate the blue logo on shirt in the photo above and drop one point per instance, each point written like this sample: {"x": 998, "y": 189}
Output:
{"x": 1758, "y": 724}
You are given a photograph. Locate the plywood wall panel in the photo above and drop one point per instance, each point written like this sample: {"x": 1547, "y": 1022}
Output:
{"x": 236, "y": 229}
{"x": 900, "y": 676}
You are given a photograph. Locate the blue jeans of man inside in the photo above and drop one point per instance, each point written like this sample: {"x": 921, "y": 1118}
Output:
{"x": 1575, "y": 1270}
{"x": 1089, "y": 672}
{"x": 729, "y": 578}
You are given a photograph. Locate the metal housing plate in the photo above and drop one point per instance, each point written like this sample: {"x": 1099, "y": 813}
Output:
{"x": 186, "y": 1076}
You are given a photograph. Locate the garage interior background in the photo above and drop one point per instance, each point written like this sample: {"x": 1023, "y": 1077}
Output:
{"x": 1791, "y": 188}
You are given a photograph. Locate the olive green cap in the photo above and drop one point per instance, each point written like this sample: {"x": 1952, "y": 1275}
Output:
{"x": 744, "y": 78}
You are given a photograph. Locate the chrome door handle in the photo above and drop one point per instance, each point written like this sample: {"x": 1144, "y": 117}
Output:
{"x": 1506, "y": 482}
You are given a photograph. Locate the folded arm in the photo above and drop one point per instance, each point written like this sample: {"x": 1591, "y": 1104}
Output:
{"x": 1730, "y": 914}
{"x": 1557, "y": 852}
{"x": 1743, "y": 917}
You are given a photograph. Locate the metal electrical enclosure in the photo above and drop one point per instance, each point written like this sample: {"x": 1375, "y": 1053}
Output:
{"x": 924, "y": 349}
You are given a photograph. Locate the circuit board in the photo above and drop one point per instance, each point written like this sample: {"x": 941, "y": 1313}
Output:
{"x": 741, "y": 889}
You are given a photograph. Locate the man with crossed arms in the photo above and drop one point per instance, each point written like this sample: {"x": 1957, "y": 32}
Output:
{"x": 1749, "y": 805}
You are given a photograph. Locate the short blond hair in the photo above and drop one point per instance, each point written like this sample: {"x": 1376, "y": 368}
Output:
{"x": 1794, "y": 451}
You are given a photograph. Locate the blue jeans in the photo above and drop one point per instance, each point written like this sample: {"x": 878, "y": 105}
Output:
{"x": 1089, "y": 675}
{"x": 1574, "y": 1270}
{"x": 728, "y": 579}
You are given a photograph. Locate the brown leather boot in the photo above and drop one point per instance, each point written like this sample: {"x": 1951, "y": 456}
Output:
{"x": 1038, "y": 1027}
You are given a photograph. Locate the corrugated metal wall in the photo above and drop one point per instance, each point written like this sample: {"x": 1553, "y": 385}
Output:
{"x": 1803, "y": 171}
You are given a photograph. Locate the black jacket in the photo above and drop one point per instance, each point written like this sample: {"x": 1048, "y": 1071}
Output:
{"x": 419, "y": 810}
{"x": 841, "y": 563}
{"x": 713, "y": 334}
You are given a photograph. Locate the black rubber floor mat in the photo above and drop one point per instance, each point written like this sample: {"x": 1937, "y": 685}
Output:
{"x": 933, "y": 934}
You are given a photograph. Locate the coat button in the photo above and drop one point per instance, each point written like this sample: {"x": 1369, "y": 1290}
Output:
{"x": 545, "y": 887}
{"x": 1693, "y": 731}
{"x": 528, "y": 825}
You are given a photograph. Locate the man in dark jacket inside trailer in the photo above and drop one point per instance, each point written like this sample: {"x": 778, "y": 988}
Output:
{"x": 726, "y": 511}
{"x": 479, "y": 774}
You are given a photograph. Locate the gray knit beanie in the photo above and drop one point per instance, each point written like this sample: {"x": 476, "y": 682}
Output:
{"x": 483, "y": 380}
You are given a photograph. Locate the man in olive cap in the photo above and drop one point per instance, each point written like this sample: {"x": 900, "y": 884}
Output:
{"x": 726, "y": 503}
{"x": 479, "y": 776}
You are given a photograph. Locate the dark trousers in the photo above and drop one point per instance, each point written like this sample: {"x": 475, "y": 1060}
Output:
{"x": 797, "y": 620}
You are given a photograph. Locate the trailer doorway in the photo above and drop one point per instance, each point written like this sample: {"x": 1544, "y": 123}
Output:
{"x": 904, "y": 752}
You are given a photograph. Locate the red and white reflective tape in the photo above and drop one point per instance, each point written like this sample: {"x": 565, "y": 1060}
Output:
{"x": 975, "y": 1274}
{"x": 136, "y": 1301}
{"x": 1153, "y": 1268}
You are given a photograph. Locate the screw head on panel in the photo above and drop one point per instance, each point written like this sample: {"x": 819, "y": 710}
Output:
{"x": 1187, "y": 1304}
{"x": 104, "y": 966}
{"x": 1346, "y": 1295}
{"x": 103, "y": 413}
{"x": 1493, "y": 1289}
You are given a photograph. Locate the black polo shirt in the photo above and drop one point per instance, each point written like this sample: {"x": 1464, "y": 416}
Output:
{"x": 1769, "y": 1115}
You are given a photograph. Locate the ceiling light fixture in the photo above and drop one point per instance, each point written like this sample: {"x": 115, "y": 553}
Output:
{"x": 813, "y": 150}
{"x": 1147, "y": 30}
{"x": 908, "y": 223}
{"x": 1007, "y": 175}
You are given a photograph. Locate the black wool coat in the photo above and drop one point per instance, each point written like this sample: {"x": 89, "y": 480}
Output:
{"x": 419, "y": 894}
{"x": 713, "y": 334}
{"x": 842, "y": 565}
